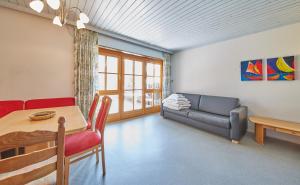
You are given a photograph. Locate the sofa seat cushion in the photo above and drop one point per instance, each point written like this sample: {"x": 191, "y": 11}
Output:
{"x": 213, "y": 119}
{"x": 183, "y": 112}
{"x": 218, "y": 105}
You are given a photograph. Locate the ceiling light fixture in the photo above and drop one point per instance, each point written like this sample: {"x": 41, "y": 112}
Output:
{"x": 62, "y": 12}
{"x": 37, "y": 5}
{"x": 80, "y": 24}
{"x": 84, "y": 18}
{"x": 54, "y": 4}
{"x": 56, "y": 21}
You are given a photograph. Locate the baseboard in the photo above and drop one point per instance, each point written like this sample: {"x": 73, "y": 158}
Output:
{"x": 276, "y": 135}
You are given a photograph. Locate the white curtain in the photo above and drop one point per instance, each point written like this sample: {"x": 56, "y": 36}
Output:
{"x": 166, "y": 91}
{"x": 86, "y": 52}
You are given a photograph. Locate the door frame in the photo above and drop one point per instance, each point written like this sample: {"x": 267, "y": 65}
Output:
{"x": 121, "y": 56}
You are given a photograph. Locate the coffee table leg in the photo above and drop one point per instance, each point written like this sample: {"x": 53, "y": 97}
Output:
{"x": 259, "y": 134}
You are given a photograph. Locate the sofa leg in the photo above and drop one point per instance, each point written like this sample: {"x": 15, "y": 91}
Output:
{"x": 235, "y": 141}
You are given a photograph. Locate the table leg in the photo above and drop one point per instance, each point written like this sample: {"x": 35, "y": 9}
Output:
{"x": 259, "y": 134}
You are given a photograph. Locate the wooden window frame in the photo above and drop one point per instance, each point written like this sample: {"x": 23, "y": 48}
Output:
{"x": 144, "y": 59}
{"x": 114, "y": 116}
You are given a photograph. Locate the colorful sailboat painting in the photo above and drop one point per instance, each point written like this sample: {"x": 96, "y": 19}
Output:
{"x": 281, "y": 68}
{"x": 251, "y": 70}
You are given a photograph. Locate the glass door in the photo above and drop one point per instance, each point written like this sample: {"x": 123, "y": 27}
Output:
{"x": 153, "y": 86}
{"x": 107, "y": 80}
{"x": 133, "y": 86}
{"x": 133, "y": 83}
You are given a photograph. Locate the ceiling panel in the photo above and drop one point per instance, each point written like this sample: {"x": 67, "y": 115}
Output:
{"x": 181, "y": 24}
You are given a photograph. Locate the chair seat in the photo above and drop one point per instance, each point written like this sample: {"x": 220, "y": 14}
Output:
{"x": 80, "y": 142}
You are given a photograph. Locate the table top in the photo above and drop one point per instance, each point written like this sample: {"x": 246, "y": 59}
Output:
{"x": 19, "y": 120}
{"x": 289, "y": 125}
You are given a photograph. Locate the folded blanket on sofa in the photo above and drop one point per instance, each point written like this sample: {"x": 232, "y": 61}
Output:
{"x": 176, "y": 102}
{"x": 175, "y": 107}
{"x": 181, "y": 104}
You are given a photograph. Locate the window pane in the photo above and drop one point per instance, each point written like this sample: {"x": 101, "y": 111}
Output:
{"x": 138, "y": 68}
{"x": 114, "y": 108}
{"x": 138, "y": 99}
{"x": 128, "y": 101}
{"x": 157, "y": 99}
{"x": 128, "y": 66}
{"x": 100, "y": 66}
{"x": 149, "y": 100}
{"x": 112, "y": 82}
{"x": 156, "y": 70}
{"x": 112, "y": 65}
{"x": 156, "y": 82}
{"x": 150, "y": 69}
{"x": 99, "y": 81}
{"x": 128, "y": 82}
{"x": 149, "y": 83}
{"x": 138, "y": 82}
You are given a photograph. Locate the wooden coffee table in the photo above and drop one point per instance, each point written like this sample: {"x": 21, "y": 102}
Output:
{"x": 263, "y": 123}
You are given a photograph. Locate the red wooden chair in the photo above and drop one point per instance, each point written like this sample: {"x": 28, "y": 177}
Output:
{"x": 92, "y": 111}
{"x": 13, "y": 170}
{"x": 9, "y": 106}
{"x": 87, "y": 142}
{"x": 49, "y": 103}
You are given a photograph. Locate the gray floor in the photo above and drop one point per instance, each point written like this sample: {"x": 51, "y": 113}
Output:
{"x": 153, "y": 151}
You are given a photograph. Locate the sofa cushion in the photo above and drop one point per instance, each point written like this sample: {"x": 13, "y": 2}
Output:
{"x": 193, "y": 98}
{"x": 218, "y": 105}
{"x": 212, "y": 119}
{"x": 183, "y": 112}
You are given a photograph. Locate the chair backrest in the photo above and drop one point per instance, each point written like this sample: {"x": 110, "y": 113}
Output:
{"x": 93, "y": 107}
{"x": 103, "y": 113}
{"x": 49, "y": 103}
{"x": 17, "y": 139}
{"x": 9, "y": 106}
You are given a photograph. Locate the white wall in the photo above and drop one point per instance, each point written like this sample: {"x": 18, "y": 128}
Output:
{"x": 110, "y": 42}
{"x": 36, "y": 57}
{"x": 215, "y": 70}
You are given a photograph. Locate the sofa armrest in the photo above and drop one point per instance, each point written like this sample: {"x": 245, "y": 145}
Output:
{"x": 239, "y": 122}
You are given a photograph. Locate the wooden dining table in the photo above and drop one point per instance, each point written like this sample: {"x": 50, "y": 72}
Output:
{"x": 19, "y": 121}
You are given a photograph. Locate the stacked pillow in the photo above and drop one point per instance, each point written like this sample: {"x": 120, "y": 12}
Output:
{"x": 176, "y": 102}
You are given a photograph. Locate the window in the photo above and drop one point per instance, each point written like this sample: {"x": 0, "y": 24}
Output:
{"x": 107, "y": 69}
{"x": 153, "y": 85}
{"x": 107, "y": 80}
{"x": 133, "y": 83}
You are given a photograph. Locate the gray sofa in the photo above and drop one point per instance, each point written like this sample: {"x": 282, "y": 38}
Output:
{"x": 220, "y": 115}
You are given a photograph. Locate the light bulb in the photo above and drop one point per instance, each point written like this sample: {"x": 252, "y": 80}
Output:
{"x": 84, "y": 18}
{"x": 54, "y": 4}
{"x": 80, "y": 24}
{"x": 57, "y": 21}
{"x": 37, "y": 5}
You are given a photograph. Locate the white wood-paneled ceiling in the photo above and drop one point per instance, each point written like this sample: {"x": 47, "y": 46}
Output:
{"x": 181, "y": 24}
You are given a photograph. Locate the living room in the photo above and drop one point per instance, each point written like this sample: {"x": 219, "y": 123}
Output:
{"x": 186, "y": 92}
